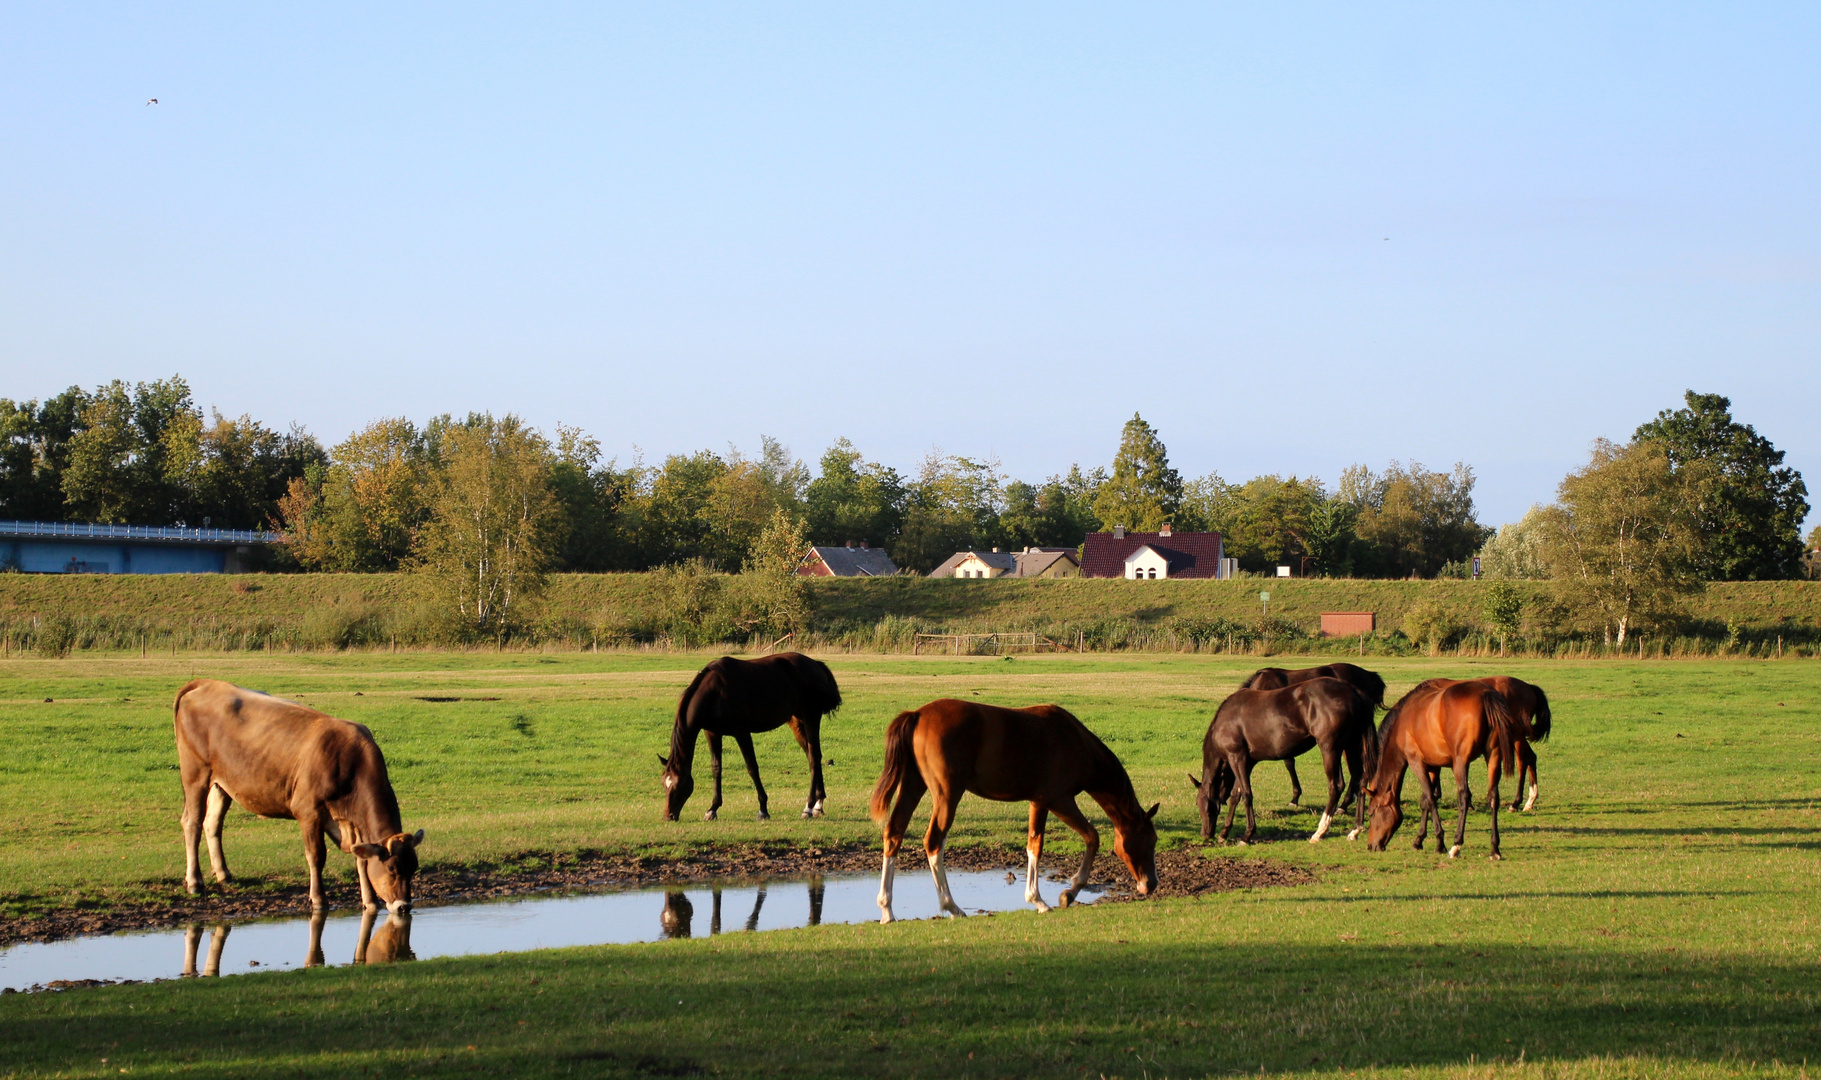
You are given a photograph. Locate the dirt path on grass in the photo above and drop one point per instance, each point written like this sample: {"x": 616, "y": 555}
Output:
{"x": 1184, "y": 871}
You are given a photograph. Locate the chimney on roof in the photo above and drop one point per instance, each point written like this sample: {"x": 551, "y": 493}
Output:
{"x": 863, "y": 545}
{"x": 1165, "y": 531}
{"x": 1119, "y": 532}
{"x": 995, "y": 551}
{"x": 850, "y": 543}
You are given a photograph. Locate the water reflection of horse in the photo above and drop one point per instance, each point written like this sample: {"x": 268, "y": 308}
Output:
{"x": 1366, "y": 682}
{"x": 1041, "y": 753}
{"x": 1443, "y": 723}
{"x": 679, "y": 912}
{"x": 741, "y": 698}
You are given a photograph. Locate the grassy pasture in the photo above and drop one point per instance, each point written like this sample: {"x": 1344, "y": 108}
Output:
{"x": 1655, "y": 915}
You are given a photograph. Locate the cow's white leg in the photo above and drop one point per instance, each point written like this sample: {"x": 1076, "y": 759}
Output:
{"x": 218, "y": 940}
{"x": 315, "y": 854}
{"x": 885, "y": 888}
{"x": 314, "y": 958}
{"x": 1321, "y": 830}
{"x": 366, "y": 935}
{"x": 1031, "y": 893}
{"x": 219, "y": 801}
{"x": 192, "y": 937}
{"x": 944, "y": 900}
{"x": 368, "y": 901}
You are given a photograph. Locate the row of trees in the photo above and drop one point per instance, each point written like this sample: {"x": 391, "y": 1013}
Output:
{"x": 1695, "y": 496}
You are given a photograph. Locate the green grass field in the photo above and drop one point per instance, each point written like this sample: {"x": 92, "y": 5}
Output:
{"x": 1654, "y": 916}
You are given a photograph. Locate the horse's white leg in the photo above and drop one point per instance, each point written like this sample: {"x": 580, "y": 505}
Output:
{"x": 1321, "y": 830}
{"x": 1033, "y": 850}
{"x": 944, "y": 900}
{"x": 1090, "y": 839}
{"x": 1530, "y": 800}
{"x": 885, "y": 888}
{"x": 1031, "y": 893}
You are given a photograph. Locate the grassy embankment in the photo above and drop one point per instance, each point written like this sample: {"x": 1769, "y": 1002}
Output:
{"x": 317, "y": 611}
{"x": 1653, "y": 917}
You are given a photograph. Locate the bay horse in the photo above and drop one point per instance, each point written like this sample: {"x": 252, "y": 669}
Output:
{"x": 1529, "y": 702}
{"x": 1275, "y": 678}
{"x": 741, "y": 698}
{"x": 1041, "y": 753}
{"x": 1443, "y": 722}
{"x": 1275, "y": 725}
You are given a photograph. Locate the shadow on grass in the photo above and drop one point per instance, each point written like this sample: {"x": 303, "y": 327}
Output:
{"x": 1011, "y": 995}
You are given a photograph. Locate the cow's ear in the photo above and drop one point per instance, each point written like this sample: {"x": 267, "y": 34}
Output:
{"x": 371, "y": 851}
{"x": 1152, "y": 812}
{"x": 416, "y": 838}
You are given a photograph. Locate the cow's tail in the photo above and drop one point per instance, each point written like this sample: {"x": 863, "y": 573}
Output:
{"x": 900, "y": 759}
{"x": 177, "y": 703}
{"x": 1508, "y": 728}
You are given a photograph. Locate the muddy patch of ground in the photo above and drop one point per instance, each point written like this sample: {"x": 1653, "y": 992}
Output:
{"x": 1184, "y": 871}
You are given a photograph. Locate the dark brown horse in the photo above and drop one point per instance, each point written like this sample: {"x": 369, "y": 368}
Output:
{"x": 1042, "y": 754}
{"x": 1275, "y": 725}
{"x": 1276, "y": 678}
{"x": 1443, "y": 723}
{"x": 743, "y": 697}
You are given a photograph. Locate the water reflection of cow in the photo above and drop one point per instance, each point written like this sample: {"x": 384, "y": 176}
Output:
{"x": 388, "y": 943}
{"x": 679, "y": 912}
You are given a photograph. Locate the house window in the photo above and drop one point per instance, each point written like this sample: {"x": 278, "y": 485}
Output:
{"x": 1152, "y": 573}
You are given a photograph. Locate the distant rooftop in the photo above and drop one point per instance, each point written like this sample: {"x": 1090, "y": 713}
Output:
{"x": 154, "y": 533}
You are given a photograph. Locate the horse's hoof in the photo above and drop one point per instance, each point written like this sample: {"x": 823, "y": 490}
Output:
{"x": 1241, "y": 843}
{"x": 710, "y": 816}
{"x": 807, "y": 815}
{"x": 1496, "y": 857}
{"x": 885, "y": 918}
{"x": 1354, "y": 835}
{"x": 1454, "y": 851}
{"x": 763, "y": 816}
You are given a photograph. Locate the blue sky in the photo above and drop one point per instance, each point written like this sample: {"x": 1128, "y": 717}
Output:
{"x": 1292, "y": 237}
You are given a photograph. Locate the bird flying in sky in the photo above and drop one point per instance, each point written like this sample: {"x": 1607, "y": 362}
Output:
{"x": 153, "y": 101}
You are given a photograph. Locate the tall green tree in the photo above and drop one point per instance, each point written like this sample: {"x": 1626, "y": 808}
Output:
{"x": 1515, "y": 552}
{"x": 1412, "y": 520}
{"x": 128, "y": 460}
{"x": 493, "y": 522}
{"x": 364, "y": 509}
{"x": 953, "y": 505}
{"x": 1144, "y": 492}
{"x": 1750, "y": 511}
{"x": 34, "y": 450}
{"x": 1056, "y": 513}
{"x": 1623, "y": 538}
{"x": 853, "y": 499}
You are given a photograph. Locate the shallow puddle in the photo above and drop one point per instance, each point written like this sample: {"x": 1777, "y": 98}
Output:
{"x": 623, "y": 917}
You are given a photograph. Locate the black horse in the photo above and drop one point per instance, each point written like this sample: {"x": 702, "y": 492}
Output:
{"x": 1276, "y": 725}
{"x": 743, "y": 697}
{"x": 1276, "y": 678}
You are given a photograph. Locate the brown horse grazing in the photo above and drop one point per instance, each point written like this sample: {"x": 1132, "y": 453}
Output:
{"x": 1041, "y": 753}
{"x": 1276, "y": 678}
{"x": 1528, "y": 701}
{"x": 741, "y": 698}
{"x": 1275, "y": 725}
{"x": 1442, "y": 722}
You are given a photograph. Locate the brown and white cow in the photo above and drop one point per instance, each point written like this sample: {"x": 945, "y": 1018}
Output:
{"x": 280, "y": 759}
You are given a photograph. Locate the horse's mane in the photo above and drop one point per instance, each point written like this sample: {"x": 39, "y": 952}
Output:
{"x": 676, "y": 731}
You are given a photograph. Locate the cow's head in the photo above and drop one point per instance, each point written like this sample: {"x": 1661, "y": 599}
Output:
{"x": 390, "y": 867}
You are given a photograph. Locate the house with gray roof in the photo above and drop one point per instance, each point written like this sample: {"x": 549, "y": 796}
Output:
{"x": 848, "y": 561}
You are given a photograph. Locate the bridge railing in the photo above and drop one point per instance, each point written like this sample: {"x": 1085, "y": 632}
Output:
{"x": 86, "y": 531}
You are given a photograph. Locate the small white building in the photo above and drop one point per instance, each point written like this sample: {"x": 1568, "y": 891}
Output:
{"x": 1146, "y": 563}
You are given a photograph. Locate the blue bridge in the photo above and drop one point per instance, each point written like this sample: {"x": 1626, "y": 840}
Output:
{"x": 57, "y": 547}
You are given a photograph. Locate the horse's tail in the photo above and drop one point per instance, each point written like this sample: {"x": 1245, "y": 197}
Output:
{"x": 900, "y": 759}
{"x": 1372, "y": 684}
{"x": 1265, "y": 679}
{"x": 1539, "y": 717}
{"x": 828, "y": 691}
{"x": 1364, "y": 719}
{"x": 1508, "y": 728}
